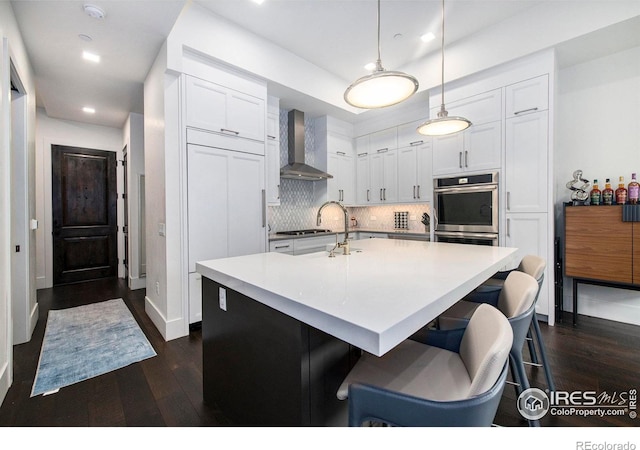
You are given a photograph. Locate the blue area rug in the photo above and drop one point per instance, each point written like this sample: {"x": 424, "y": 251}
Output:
{"x": 87, "y": 341}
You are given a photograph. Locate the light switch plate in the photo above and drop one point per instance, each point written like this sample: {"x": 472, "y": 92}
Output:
{"x": 222, "y": 296}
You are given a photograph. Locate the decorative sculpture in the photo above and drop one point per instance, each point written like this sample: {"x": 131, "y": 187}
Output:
{"x": 579, "y": 193}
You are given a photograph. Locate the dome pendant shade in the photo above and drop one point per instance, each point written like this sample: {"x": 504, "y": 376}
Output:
{"x": 381, "y": 88}
{"x": 443, "y": 125}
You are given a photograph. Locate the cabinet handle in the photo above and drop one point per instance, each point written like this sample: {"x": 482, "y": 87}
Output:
{"x": 363, "y": 154}
{"x": 340, "y": 153}
{"x": 384, "y": 191}
{"x": 225, "y": 130}
{"x": 271, "y": 137}
{"x": 383, "y": 150}
{"x": 418, "y": 191}
{"x": 380, "y": 194}
{"x": 460, "y": 159}
{"x": 525, "y": 110}
{"x": 282, "y": 246}
{"x": 508, "y": 201}
{"x": 367, "y": 194}
{"x": 466, "y": 158}
{"x": 278, "y": 192}
{"x": 416, "y": 142}
{"x": 508, "y": 227}
{"x": 264, "y": 208}
{"x": 414, "y": 192}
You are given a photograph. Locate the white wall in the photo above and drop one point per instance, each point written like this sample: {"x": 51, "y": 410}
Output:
{"x": 74, "y": 134}
{"x": 11, "y": 49}
{"x": 598, "y": 131}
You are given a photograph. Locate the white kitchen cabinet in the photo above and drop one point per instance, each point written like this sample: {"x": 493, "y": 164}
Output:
{"x": 479, "y": 109}
{"x": 479, "y": 148}
{"x": 408, "y": 136}
{"x": 383, "y": 172}
{"x": 363, "y": 183}
{"x": 383, "y": 140}
{"x": 414, "y": 173}
{"x": 526, "y": 97}
{"x": 282, "y": 246}
{"x": 273, "y": 152}
{"x": 371, "y": 235}
{"x": 230, "y": 113}
{"x": 528, "y": 233}
{"x": 526, "y": 171}
{"x": 226, "y": 203}
{"x": 341, "y": 188}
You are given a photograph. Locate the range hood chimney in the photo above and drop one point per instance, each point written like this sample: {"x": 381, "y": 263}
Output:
{"x": 297, "y": 169}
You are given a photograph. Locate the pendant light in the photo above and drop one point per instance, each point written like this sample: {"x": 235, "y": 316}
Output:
{"x": 381, "y": 88}
{"x": 443, "y": 124}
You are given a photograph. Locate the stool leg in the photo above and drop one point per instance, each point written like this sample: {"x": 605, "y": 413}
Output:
{"x": 543, "y": 354}
{"x": 532, "y": 347}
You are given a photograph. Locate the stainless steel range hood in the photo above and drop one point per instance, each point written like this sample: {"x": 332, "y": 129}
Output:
{"x": 297, "y": 169}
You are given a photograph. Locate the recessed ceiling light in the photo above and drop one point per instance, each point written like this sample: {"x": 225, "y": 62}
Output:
{"x": 94, "y": 11}
{"x": 91, "y": 57}
{"x": 427, "y": 37}
{"x": 89, "y": 110}
{"x": 85, "y": 37}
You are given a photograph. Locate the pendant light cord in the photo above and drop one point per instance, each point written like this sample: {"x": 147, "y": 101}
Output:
{"x": 379, "y": 62}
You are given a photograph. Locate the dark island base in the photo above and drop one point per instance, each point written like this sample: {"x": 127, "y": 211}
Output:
{"x": 264, "y": 368}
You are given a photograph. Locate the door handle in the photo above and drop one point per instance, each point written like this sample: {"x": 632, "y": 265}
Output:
{"x": 460, "y": 159}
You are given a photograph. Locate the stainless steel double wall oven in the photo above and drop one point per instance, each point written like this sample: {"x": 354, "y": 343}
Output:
{"x": 466, "y": 209}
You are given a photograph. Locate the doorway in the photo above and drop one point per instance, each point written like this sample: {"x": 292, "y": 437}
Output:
{"x": 84, "y": 214}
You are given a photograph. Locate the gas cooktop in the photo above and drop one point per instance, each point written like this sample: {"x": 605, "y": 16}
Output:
{"x": 303, "y": 232}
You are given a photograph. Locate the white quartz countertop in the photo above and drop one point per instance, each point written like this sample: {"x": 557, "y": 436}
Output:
{"x": 374, "y": 298}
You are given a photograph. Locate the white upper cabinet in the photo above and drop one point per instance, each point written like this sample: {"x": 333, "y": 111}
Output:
{"x": 383, "y": 140}
{"x": 383, "y": 173}
{"x": 527, "y": 97}
{"x": 476, "y": 149}
{"x": 526, "y": 163}
{"x": 342, "y": 187}
{"x": 414, "y": 173}
{"x": 335, "y": 148}
{"x": 224, "y": 111}
{"x": 363, "y": 184}
{"x": 479, "y": 109}
{"x": 408, "y": 136}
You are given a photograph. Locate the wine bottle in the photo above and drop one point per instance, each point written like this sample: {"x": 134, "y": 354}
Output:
{"x": 621, "y": 192}
{"x": 633, "y": 190}
{"x": 607, "y": 193}
{"x": 595, "y": 195}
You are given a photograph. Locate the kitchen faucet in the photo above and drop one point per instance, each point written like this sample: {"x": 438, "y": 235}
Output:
{"x": 345, "y": 244}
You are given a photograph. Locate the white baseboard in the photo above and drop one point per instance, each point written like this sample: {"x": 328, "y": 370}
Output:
{"x": 33, "y": 318}
{"x": 5, "y": 381}
{"x": 137, "y": 283}
{"x": 41, "y": 283}
{"x": 169, "y": 329}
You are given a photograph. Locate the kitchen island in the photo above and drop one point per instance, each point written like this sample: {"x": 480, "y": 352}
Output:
{"x": 280, "y": 332}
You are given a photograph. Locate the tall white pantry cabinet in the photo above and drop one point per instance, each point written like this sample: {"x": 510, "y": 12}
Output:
{"x": 226, "y": 187}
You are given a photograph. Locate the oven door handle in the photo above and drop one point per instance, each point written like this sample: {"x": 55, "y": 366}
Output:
{"x": 466, "y": 234}
{"x": 474, "y": 188}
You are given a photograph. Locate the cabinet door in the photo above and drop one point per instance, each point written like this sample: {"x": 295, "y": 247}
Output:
{"x": 273, "y": 172}
{"x": 408, "y": 136}
{"x": 636, "y": 252}
{"x": 390, "y": 184}
{"x": 383, "y": 140}
{"x": 247, "y": 205}
{"x": 376, "y": 177}
{"x": 208, "y": 203}
{"x": 482, "y": 147}
{"x": 528, "y": 233}
{"x": 273, "y": 126}
{"x": 407, "y": 175}
{"x": 447, "y": 154}
{"x": 206, "y": 105}
{"x": 346, "y": 173}
{"x": 526, "y": 171}
{"x": 527, "y": 96}
{"x": 333, "y": 184}
{"x": 363, "y": 185}
{"x": 245, "y": 116}
{"x": 424, "y": 176}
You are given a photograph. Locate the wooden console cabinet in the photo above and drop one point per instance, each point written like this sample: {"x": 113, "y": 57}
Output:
{"x": 600, "y": 248}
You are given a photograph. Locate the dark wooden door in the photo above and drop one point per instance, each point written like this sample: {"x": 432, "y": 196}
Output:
{"x": 84, "y": 214}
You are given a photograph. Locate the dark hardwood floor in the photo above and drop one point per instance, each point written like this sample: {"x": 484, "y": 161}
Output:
{"x": 166, "y": 391}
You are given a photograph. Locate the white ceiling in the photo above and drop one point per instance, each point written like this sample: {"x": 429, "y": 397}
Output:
{"x": 336, "y": 35}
